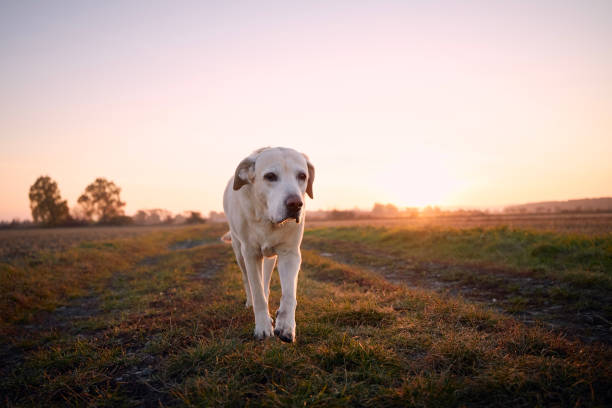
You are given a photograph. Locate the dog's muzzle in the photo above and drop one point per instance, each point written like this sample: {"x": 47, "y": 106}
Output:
{"x": 293, "y": 205}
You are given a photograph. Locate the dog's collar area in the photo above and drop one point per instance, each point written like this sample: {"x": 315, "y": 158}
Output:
{"x": 286, "y": 221}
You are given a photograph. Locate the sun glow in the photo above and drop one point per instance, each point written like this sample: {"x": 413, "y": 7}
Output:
{"x": 403, "y": 103}
{"x": 424, "y": 177}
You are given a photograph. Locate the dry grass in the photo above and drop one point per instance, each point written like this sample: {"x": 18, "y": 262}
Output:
{"x": 159, "y": 319}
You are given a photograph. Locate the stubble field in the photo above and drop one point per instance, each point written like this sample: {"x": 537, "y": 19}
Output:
{"x": 429, "y": 314}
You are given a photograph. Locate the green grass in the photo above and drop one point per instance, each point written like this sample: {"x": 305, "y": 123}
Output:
{"x": 166, "y": 325}
{"x": 521, "y": 249}
{"x": 561, "y": 278}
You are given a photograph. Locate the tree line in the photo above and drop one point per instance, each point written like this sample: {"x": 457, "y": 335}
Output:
{"x": 389, "y": 210}
{"x": 99, "y": 204}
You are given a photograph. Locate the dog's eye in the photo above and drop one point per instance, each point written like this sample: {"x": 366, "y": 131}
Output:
{"x": 301, "y": 176}
{"x": 270, "y": 177}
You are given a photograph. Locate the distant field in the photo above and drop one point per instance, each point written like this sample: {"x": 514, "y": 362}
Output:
{"x": 579, "y": 223}
{"x": 402, "y": 315}
{"x": 24, "y": 242}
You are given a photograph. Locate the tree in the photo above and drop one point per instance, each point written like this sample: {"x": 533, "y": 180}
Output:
{"x": 46, "y": 203}
{"x": 101, "y": 201}
{"x": 195, "y": 217}
{"x": 140, "y": 217}
{"x": 153, "y": 217}
{"x": 384, "y": 210}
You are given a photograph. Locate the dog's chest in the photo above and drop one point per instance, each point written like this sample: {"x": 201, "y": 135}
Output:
{"x": 274, "y": 240}
{"x": 268, "y": 251}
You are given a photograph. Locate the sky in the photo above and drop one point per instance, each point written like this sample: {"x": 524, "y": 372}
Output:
{"x": 449, "y": 103}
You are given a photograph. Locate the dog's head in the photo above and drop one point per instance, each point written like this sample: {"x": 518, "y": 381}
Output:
{"x": 279, "y": 179}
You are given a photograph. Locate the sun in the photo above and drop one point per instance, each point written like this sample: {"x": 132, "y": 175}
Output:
{"x": 423, "y": 180}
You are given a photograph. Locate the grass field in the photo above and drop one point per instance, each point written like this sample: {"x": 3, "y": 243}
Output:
{"x": 582, "y": 223}
{"x": 387, "y": 316}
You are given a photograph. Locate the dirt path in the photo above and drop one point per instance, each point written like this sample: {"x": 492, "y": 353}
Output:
{"x": 530, "y": 298}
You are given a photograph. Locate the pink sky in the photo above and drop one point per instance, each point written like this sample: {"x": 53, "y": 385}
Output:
{"x": 415, "y": 103}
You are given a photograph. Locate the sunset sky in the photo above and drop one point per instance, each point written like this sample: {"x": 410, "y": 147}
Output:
{"x": 466, "y": 103}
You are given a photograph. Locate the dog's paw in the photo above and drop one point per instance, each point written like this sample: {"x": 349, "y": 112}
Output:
{"x": 285, "y": 328}
{"x": 261, "y": 334}
{"x": 264, "y": 330}
{"x": 287, "y": 336}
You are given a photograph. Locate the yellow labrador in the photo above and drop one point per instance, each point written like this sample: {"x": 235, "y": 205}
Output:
{"x": 261, "y": 202}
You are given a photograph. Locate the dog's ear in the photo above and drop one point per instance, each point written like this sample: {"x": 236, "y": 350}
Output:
{"x": 244, "y": 173}
{"x": 311, "y": 174}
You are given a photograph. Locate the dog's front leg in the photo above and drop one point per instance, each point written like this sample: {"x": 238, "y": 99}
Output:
{"x": 268, "y": 268}
{"x": 263, "y": 322}
{"x": 288, "y": 268}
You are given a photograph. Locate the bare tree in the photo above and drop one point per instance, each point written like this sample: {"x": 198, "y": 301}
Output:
{"x": 46, "y": 203}
{"x": 101, "y": 201}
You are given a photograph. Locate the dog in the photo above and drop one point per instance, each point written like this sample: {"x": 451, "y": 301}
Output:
{"x": 265, "y": 207}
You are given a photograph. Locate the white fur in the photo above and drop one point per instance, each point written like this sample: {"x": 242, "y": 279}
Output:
{"x": 263, "y": 231}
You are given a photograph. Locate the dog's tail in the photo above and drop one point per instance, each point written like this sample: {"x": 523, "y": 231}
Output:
{"x": 227, "y": 237}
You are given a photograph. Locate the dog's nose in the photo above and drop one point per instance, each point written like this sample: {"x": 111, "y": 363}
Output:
{"x": 294, "y": 203}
